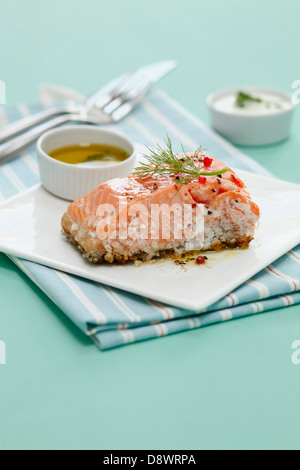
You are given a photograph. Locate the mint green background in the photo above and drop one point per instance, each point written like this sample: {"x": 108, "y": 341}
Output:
{"x": 227, "y": 386}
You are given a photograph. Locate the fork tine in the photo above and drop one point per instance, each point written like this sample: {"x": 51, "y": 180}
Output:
{"x": 104, "y": 99}
{"x": 123, "y": 106}
{"x": 111, "y": 97}
{"x": 117, "y": 88}
{"x": 127, "y": 95}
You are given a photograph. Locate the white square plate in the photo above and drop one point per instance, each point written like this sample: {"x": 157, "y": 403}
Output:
{"x": 30, "y": 229}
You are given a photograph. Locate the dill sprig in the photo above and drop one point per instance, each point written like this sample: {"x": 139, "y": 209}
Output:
{"x": 243, "y": 98}
{"x": 163, "y": 161}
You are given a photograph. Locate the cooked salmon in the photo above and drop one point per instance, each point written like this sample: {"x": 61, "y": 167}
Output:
{"x": 137, "y": 218}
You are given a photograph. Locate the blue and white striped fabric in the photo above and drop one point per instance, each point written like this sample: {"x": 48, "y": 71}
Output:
{"x": 114, "y": 318}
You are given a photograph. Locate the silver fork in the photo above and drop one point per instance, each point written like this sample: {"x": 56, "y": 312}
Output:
{"x": 103, "y": 95}
{"x": 108, "y": 105}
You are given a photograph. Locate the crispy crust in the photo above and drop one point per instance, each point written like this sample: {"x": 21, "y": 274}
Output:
{"x": 106, "y": 257}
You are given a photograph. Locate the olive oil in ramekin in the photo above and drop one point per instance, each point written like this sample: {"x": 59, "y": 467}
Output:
{"x": 101, "y": 154}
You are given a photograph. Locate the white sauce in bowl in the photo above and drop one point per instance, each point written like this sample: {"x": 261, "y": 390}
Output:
{"x": 270, "y": 104}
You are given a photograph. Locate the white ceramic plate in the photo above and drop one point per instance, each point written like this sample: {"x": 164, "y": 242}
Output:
{"x": 30, "y": 229}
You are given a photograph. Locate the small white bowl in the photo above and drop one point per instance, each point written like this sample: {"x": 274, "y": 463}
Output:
{"x": 253, "y": 128}
{"x": 75, "y": 181}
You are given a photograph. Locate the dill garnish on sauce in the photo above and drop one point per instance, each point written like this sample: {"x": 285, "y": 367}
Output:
{"x": 243, "y": 98}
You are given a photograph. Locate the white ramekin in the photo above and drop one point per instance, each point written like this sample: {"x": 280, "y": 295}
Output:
{"x": 74, "y": 181}
{"x": 251, "y": 129}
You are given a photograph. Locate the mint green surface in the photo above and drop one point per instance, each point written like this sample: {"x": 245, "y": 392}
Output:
{"x": 231, "y": 385}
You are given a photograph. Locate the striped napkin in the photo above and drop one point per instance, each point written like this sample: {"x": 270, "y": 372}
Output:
{"x": 115, "y": 318}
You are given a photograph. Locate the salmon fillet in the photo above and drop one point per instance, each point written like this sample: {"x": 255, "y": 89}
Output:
{"x": 219, "y": 205}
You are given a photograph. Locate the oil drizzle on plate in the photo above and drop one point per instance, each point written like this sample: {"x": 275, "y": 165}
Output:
{"x": 188, "y": 259}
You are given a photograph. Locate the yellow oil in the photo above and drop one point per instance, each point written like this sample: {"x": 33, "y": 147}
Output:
{"x": 84, "y": 153}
